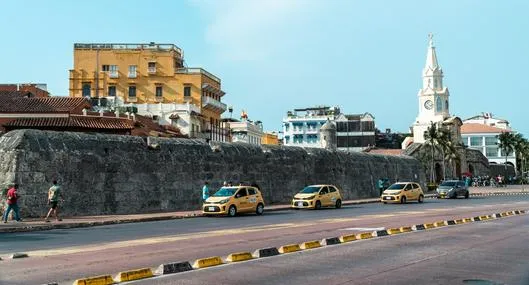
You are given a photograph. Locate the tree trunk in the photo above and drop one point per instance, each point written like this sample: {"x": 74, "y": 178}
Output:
{"x": 432, "y": 166}
{"x": 444, "y": 166}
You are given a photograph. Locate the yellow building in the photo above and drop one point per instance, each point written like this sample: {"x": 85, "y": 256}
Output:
{"x": 151, "y": 77}
{"x": 270, "y": 138}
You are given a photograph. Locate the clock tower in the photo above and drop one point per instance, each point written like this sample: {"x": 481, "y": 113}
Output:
{"x": 433, "y": 96}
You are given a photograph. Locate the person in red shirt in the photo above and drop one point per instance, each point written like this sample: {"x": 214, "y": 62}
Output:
{"x": 12, "y": 204}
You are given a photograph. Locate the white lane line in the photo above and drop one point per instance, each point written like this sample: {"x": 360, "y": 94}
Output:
{"x": 363, "y": 229}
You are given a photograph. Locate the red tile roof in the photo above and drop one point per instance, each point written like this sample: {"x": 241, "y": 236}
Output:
{"x": 386, "y": 151}
{"x": 16, "y": 104}
{"x": 472, "y": 128}
{"x": 74, "y": 121}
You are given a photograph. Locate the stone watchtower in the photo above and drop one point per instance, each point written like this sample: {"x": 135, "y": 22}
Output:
{"x": 328, "y": 136}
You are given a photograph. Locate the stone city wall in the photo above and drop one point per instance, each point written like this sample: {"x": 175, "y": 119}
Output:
{"x": 112, "y": 174}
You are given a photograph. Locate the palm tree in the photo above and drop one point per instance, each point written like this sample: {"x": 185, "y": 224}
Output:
{"x": 434, "y": 137}
{"x": 450, "y": 155}
{"x": 507, "y": 141}
{"x": 445, "y": 143}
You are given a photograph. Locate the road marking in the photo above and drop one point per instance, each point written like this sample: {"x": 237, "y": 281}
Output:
{"x": 363, "y": 229}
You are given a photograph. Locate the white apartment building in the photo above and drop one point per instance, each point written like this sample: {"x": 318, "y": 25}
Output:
{"x": 484, "y": 138}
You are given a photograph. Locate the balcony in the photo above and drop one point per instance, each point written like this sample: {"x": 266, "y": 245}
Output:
{"x": 210, "y": 103}
{"x": 191, "y": 70}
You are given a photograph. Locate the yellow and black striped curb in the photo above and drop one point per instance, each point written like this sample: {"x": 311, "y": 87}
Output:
{"x": 177, "y": 267}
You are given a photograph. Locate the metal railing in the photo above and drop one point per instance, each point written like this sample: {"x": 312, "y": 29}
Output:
{"x": 125, "y": 46}
{"x": 187, "y": 70}
{"x": 213, "y": 102}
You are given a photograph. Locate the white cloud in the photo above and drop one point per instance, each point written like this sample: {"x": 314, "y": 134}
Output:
{"x": 249, "y": 30}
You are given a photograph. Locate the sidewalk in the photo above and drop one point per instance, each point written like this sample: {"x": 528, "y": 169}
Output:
{"x": 33, "y": 224}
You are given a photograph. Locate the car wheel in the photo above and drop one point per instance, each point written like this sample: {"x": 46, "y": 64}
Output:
{"x": 385, "y": 202}
{"x": 421, "y": 198}
{"x": 454, "y": 196}
{"x": 403, "y": 200}
{"x": 318, "y": 205}
{"x": 259, "y": 210}
{"x": 338, "y": 204}
{"x": 467, "y": 195}
{"x": 232, "y": 211}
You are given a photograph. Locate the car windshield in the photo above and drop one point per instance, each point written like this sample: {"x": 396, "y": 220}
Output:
{"x": 396, "y": 187}
{"x": 310, "y": 189}
{"x": 448, "y": 183}
{"x": 225, "y": 192}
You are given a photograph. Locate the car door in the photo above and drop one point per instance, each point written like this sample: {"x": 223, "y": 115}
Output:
{"x": 333, "y": 195}
{"x": 242, "y": 200}
{"x": 252, "y": 198}
{"x": 408, "y": 191}
{"x": 324, "y": 196}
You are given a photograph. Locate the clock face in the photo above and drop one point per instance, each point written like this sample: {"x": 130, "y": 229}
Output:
{"x": 428, "y": 104}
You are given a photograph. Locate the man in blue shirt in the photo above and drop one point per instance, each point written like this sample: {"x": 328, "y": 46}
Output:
{"x": 205, "y": 191}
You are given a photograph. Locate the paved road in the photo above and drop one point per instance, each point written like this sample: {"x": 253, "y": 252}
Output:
{"x": 63, "y": 255}
{"x": 495, "y": 250}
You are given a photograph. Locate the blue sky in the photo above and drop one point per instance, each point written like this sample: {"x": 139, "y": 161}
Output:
{"x": 274, "y": 56}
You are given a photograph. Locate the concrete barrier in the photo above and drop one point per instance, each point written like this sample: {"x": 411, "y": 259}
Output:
{"x": 239, "y": 256}
{"x": 450, "y": 222}
{"x": 364, "y": 236}
{"x": 289, "y": 248}
{"x": 347, "y": 238}
{"x": 175, "y": 267}
{"x": 394, "y": 231}
{"x": 266, "y": 252}
{"x": 419, "y": 227}
{"x": 380, "y": 233}
{"x": 310, "y": 244}
{"x": 331, "y": 241}
{"x": 207, "y": 262}
{"x": 484, "y": 217}
{"x": 134, "y": 275}
{"x": 467, "y": 220}
{"x": 476, "y": 219}
{"x": 429, "y": 226}
{"x": 97, "y": 280}
{"x": 405, "y": 229}
{"x": 459, "y": 221}
{"x": 439, "y": 224}
{"x": 517, "y": 212}
{"x": 19, "y": 255}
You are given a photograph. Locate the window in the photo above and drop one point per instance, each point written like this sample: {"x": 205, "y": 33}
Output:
{"x": 475, "y": 141}
{"x": 438, "y": 104}
{"x": 132, "y": 71}
{"x": 491, "y": 141}
{"x": 332, "y": 189}
{"x": 132, "y": 91}
{"x": 408, "y": 187}
{"x": 113, "y": 71}
{"x": 112, "y": 90}
{"x": 151, "y": 67}
{"x": 416, "y": 186}
{"x": 324, "y": 190}
{"x": 159, "y": 91}
{"x": 106, "y": 67}
{"x": 252, "y": 191}
{"x": 241, "y": 193}
{"x": 187, "y": 91}
{"x": 491, "y": 152}
{"x": 86, "y": 89}
{"x": 446, "y": 105}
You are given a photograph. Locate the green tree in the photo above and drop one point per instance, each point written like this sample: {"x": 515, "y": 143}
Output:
{"x": 450, "y": 155}
{"x": 435, "y": 138}
{"x": 507, "y": 142}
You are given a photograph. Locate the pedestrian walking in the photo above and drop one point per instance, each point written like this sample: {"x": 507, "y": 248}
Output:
{"x": 205, "y": 191}
{"x": 54, "y": 193}
{"x": 12, "y": 203}
{"x": 380, "y": 185}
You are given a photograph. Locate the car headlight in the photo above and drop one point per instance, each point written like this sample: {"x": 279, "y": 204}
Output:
{"x": 224, "y": 201}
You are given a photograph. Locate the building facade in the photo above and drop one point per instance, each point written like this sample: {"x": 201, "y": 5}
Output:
{"x": 246, "y": 131}
{"x": 484, "y": 138}
{"x": 301, "y": 127}
{"x": 151, "y": 77}
{"x": 270, "y": 138}
{"x": 489, "y": 120}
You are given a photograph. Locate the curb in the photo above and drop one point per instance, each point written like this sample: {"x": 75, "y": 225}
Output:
{"x": 174, "y": 268}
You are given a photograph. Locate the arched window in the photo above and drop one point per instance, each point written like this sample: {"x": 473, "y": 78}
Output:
{"x": 446, "y": 105}
{"x": 439, "y": 104}
{"x": 86, "y": 89}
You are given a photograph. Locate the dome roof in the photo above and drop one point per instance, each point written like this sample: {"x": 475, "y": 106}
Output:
{"x": 328, "y": 126}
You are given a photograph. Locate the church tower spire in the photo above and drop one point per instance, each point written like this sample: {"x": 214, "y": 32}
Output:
{"x": 433, "y": 96}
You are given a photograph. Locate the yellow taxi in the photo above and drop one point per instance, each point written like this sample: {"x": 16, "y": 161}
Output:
{"x": 233, "y": 200}
{"x": 317, "y": 196}
{"x": 401, "y": 192}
